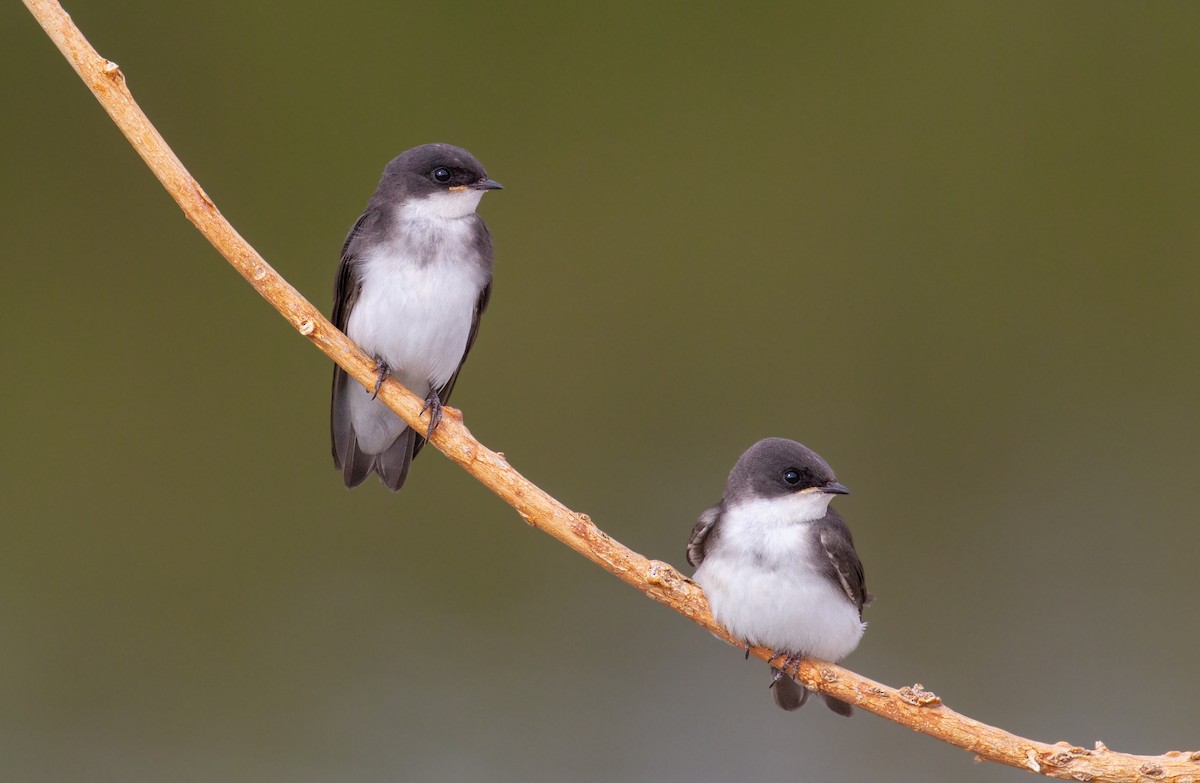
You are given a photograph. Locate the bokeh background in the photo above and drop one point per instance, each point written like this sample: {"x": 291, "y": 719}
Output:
{"x": 953, "y": 247}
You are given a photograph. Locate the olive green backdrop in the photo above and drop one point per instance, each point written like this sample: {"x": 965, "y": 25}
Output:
{"x": 954, "y": 247}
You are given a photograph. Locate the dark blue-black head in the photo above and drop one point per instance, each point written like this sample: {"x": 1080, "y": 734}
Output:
{"x": 775, "y": 467}
{"x": 433, "y": 169}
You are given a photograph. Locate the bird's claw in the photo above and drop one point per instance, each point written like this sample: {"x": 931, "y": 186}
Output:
{"x": 791, "y": 665}
{"x": 383, "y": 373}
{"x": 433, "y": 404}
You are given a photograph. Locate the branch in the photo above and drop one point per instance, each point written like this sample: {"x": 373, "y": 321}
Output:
{"x": 913, "y": 706}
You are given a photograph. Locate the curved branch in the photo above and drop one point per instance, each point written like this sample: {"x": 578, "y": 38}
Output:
{"x": 912, "y": 706}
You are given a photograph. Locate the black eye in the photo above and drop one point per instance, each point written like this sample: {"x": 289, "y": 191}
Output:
{"x": 791, "y": 476}
{"x": 441, "y": 174}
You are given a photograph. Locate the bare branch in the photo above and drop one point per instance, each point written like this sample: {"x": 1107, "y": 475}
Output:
{"x": 912, "y": 706}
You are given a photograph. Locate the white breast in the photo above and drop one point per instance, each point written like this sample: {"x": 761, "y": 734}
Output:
{"x": 415, "y": 307}
{"x": 763, "y": 583}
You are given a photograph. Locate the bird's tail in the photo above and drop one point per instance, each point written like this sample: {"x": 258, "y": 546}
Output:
{"x": 838, "y": 706}
{"x": 791, "y": 695}
{"x": 356, "y": 464}
{"x": 391, "y": 465}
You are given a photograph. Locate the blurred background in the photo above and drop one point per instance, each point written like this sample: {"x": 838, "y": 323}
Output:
{"x": 954, "y": 248}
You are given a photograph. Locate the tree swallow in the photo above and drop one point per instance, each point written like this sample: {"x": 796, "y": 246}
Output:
{"x": 778, "y": 564}
{"x": 415, "y": 276}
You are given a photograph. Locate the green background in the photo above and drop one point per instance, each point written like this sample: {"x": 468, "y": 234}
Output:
{"x": 951, "y": 246}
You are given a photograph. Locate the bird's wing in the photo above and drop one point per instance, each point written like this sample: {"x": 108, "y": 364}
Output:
{"x": 703, "y": 526}
{"x": 347, "y": 284}
{"x": 841, "y": 559}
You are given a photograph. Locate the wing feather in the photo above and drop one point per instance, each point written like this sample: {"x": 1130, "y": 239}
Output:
{"x": 347, "y": 284}
{"x": 700, "y": 533}
{"x": 841, "y": 559}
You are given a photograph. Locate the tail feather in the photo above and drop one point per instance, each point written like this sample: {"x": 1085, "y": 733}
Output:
{"x": 838, "y": 706}
{"x": 356, "y": 464}
{"x": 789, "y": 695}
{"x": 392, "y": 465}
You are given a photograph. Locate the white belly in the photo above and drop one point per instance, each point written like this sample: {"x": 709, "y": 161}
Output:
{"x": 417, "y": 319}
{"x": 788, "y": 609}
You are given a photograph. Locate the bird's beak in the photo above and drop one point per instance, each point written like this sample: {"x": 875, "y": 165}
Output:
{"x": 486, "y": 184}
{"x": 835, "y": 488}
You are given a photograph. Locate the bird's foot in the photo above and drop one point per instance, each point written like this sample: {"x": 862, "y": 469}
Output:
{"x": 790, "y": 667}
{"x": 383, "y": 372}
{"x": 433, "y": 404}
{"x": 776, "y": 676}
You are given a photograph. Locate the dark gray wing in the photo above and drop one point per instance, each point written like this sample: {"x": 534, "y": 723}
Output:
{"x": 699, "y": 540}
{"x": 346, "y": 283}
{"x": 346, "y": 287}
{"x": 841, "y": 561}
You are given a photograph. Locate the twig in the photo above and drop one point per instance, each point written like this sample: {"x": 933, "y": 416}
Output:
{"x": 912, "y": 706}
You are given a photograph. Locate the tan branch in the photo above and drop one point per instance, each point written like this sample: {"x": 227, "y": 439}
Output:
{"x": 913, "y": 706}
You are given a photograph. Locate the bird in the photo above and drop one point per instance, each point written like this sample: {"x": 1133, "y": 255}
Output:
{"x": 778, "y": 563}
{"x": 414, "y": 279}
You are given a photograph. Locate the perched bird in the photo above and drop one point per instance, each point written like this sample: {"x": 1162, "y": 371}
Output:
{"x": 778, "y": 564}
{"x": 415, "y": 276}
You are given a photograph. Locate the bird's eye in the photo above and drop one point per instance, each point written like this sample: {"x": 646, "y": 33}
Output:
{"x": 791, "y": 476}
{"x": 441, "y": 174}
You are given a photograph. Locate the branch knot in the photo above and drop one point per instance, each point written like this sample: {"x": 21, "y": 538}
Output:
{"x": 917, "y": 696}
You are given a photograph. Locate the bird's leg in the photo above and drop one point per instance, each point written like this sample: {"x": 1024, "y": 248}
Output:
{"x": 384, "y": 372}
{"x": 791, "y": 665}
{"x": 433, "y": 404}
